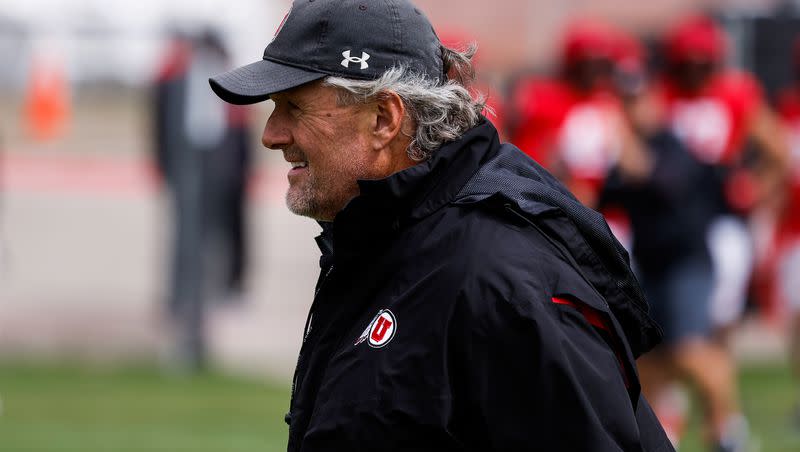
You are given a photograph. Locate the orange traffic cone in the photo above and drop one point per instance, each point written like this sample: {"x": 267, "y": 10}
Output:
{"x": 47, "y": 108}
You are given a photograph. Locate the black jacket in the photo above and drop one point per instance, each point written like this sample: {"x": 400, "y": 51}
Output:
{"x": 464, "y": 306}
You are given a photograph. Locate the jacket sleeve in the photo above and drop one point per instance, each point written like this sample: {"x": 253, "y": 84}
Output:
{"x": 541, "y": 376}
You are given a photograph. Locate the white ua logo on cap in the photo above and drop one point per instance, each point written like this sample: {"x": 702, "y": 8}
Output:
{"x": 348, "y": 59}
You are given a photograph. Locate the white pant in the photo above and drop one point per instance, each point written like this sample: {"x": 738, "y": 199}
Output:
{"x": 731, "y": 247}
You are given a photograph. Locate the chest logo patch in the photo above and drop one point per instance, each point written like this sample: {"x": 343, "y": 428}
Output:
{"x": 380, "y": 331}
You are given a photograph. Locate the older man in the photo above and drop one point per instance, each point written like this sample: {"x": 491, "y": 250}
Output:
{"x": 466, "y": 301}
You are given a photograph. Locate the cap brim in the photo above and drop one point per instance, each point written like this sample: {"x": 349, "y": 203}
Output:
{"x": 256, "y": 81}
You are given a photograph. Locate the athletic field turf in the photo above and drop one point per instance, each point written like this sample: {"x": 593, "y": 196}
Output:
{"x": 71, "y": 409}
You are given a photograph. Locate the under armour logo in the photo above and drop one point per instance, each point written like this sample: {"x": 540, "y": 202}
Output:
{"x": 348, "y": 59}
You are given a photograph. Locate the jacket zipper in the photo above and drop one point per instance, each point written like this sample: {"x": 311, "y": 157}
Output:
{"x": 306, "y": 334}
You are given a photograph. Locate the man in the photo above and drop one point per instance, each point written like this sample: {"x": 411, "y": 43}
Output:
{"x": 571, "y": 123}
{"x": 715, "y": 111}
{"x": 668, "y": 207}
{"x": 466, "y": 301}
{"x": 202, "y": 153}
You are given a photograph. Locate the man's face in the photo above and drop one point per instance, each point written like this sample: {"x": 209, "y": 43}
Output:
{"x": 693, "y": 73}
{"x": 327, "y": 144}
{"x": 591, "y": 74}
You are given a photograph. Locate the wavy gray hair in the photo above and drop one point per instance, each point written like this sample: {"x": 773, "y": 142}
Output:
{"x": 440, "y": 112}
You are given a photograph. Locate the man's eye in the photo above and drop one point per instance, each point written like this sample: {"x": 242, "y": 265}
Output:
{"x": 293, "y": 108}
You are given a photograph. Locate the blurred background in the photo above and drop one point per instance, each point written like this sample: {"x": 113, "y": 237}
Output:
{"x": 153, "y": 287}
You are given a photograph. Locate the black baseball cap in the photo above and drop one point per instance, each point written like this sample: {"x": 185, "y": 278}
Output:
{"x": 356, "y": 39}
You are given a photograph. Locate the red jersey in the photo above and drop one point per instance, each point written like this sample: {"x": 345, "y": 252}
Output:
{"x": 789, "y": 110}
{"x": 713, "y": 122}
{"x": 540, "y": 106}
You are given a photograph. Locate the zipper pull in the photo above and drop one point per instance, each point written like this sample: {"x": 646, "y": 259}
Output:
{"x": 308, "y": 328}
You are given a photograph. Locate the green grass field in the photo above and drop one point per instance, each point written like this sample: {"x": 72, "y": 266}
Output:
{"x": 70, "y": 409}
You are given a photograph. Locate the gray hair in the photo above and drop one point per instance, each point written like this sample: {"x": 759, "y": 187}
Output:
{"x": 440, "y": 112}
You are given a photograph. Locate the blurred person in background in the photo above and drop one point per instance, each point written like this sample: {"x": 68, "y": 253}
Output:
{"x": 466, "y": 301}
{"x": 786, "y": 238}
{"x": 717, "y": 111}
{"x": 570, "y": 123}
{"x": 573, "y": 124}
{"x": 202, "y": 152}
{"x": 714, "y": 111}
{"x": 668, "y": 195}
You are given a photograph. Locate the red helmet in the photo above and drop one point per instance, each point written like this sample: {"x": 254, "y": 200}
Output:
{"x": 695, "y": 38}
{"x": 587, "y": 39}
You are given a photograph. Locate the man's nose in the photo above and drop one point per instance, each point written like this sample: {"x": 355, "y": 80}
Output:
{"x": 276, "y": 135}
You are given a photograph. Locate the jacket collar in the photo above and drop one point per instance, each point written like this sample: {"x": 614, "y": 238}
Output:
{"x": 420, "y": 190}
{"x": 385, "y": 205}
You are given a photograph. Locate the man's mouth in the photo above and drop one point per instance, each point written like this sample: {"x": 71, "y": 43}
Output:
{"x": 298, "y": 169}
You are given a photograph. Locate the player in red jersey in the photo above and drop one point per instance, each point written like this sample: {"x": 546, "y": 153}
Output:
{"x": 786, "y": 284}
{"x": 714, "y": 111}
{"x": 571, "y": 124}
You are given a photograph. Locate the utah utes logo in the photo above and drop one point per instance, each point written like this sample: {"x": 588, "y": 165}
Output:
{"x": 348, "y": 59}
{"x": 380, "y": 331}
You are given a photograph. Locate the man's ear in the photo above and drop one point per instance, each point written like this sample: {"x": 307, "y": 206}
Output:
{"x": 390, "y": 113}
